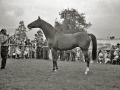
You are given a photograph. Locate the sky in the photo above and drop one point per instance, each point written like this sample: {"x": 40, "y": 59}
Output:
{"x": 103, "y": 14}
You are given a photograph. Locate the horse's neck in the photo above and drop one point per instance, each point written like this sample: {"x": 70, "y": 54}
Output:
{"x": 48, "y": 30}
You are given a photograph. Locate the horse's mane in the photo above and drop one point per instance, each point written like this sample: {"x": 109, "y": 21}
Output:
{"x": 48, "y": 24}
{"x": 52, "y": 27}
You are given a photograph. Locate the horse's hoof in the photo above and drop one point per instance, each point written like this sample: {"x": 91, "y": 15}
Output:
{"x": 54, "y": 71}
{"x": 87, "y": 69}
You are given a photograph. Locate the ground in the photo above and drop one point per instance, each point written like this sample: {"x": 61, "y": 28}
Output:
{"x": 35, "y": 74}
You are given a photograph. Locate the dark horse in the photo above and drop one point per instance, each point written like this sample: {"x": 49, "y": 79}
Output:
{"x": 60, "y": 41}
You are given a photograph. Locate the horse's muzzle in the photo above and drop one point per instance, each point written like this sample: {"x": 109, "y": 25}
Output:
{"x": 29, "y": 27}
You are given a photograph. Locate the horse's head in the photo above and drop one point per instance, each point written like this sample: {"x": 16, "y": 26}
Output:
{"x": 35, "y": 24}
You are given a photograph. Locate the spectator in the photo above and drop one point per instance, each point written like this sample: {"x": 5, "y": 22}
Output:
{"x": 115, "y": 59}
{"x": 25, "y": 54}
{"x": 67, "y": 55}
{"x": 112, "y": 49}
{"x": 78, "y": 54}
{"x": 107, "y": 57}
{"x": 118, "y": 61}
{"x": 14, "y": 55}
{"x": 18, "y": 52}
{"x": 100, "y": 57}
{"x": 73, "y": 54}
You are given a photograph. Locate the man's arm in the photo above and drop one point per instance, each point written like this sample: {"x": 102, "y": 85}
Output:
{"x": 6, "y": 40}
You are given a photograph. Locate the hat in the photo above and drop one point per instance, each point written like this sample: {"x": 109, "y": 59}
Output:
{"x": 118, "y": 44}
{"x": 3, "y": 30}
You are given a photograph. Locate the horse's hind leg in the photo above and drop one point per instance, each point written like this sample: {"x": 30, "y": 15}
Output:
{"x": 54, "y": 55}
{"x": 87, "y": 60}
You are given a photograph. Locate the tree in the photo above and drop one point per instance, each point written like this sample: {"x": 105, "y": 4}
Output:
{"x": 72, "y": 21}
{"x": 20, "y": 33}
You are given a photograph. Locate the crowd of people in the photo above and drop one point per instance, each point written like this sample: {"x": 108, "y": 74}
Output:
{"x": 42, "y": 52}
{"x": 28, "y": 49}
{"x": 39, "y": 50}
{"x": 111, "y": 56}
{"x": 70, "y": 55}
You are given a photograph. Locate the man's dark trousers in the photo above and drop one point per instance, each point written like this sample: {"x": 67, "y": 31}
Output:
{"x": 4, "y": 55}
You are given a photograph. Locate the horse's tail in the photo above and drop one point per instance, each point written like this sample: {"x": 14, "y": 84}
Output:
{"x": 94, "y": 46}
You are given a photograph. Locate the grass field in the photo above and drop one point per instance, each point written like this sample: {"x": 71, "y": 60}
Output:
{"x": 35, "y": 74}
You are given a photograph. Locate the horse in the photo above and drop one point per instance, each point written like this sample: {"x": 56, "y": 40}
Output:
{"x": 60, "y": 41}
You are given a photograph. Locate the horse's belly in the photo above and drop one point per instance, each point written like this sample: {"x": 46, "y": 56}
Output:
{"x": 65, "y": 44}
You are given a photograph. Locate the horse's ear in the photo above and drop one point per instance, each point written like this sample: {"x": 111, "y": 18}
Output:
{"x": 38, "y": 17}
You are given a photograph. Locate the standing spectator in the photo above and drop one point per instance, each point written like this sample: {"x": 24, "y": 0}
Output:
{"x": 73, "y": 54}
{"x": 39, "y": 50}
{"x": 78, "y": 54}
{"x": 112, "y": 49}
{"x": 67, "y": 55}
{"x": 27, "y": 42}
{"x": 4, "y": 47}
{"x": 25, "y": 53}
{"x": 50, "y": 54}
{"x": 45, "y": 52}
{"x": 61, "y": 54}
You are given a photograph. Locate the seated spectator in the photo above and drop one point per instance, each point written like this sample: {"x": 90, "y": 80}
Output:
{"x": 100, "y": 57}
{"x": 118, "y": 60}
{"x": 18, "y": 52}
{"x": 14, "y": 55}
{"x": 107, "y": 57}
{"x": 115, "y": 57}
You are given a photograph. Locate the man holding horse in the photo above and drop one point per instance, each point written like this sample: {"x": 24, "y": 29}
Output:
{"x": 4, "y": 47}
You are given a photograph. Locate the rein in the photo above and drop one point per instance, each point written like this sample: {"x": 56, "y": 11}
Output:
{"x": 27, "y": 30}
{"x": 15, "y": 34}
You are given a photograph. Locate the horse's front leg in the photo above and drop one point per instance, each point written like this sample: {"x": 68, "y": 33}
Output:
{"x": 54, "y": 55}
{"x": 87, "y": 60}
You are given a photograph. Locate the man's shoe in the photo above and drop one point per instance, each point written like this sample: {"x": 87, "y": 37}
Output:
{"x": 2, "y": 68}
